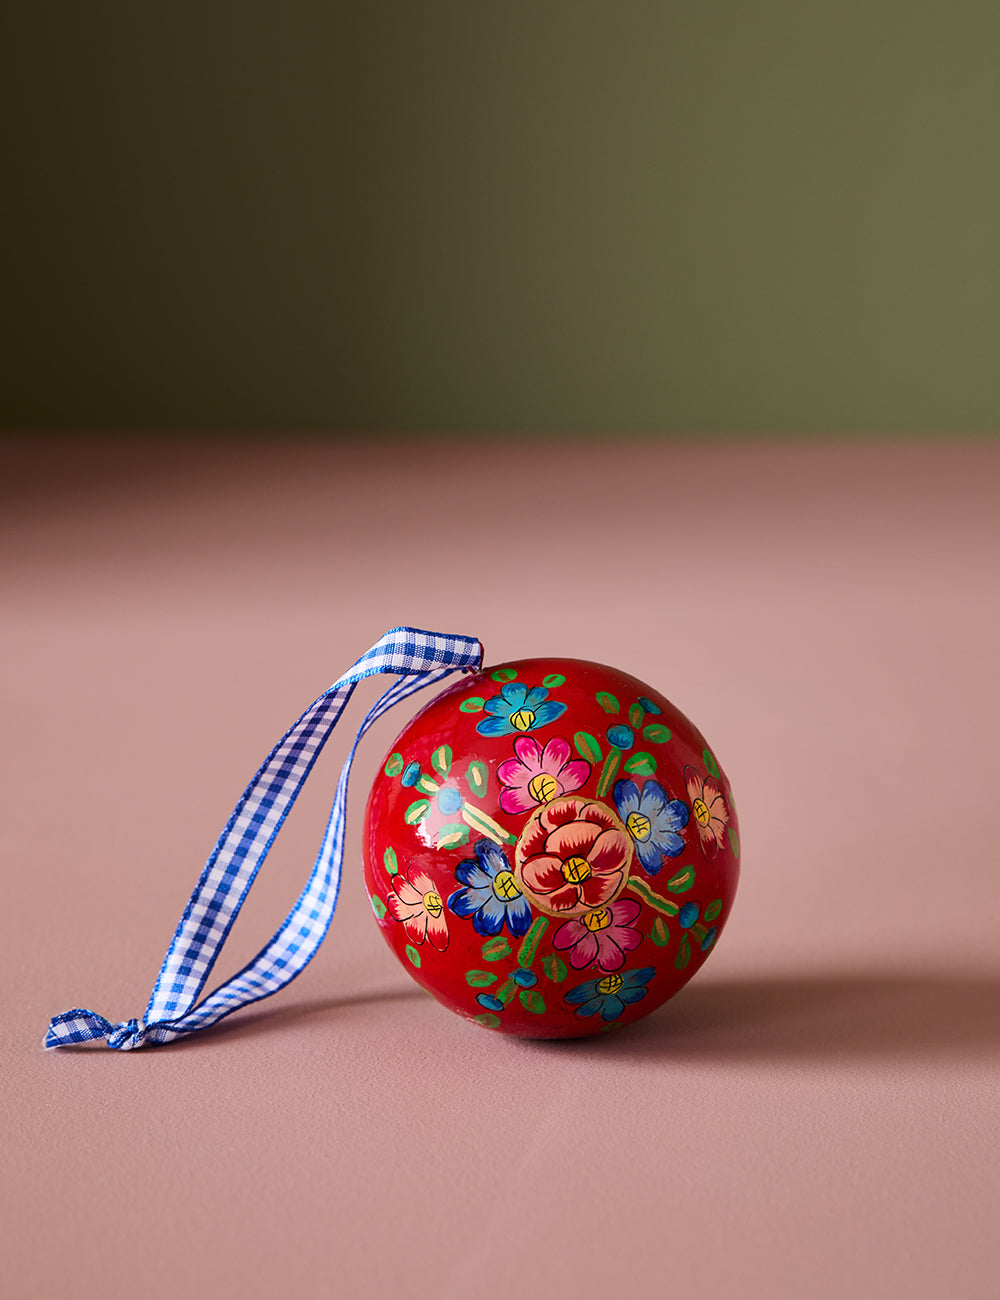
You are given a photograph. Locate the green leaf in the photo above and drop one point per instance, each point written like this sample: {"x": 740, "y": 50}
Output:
{"x": 378, "y": 907}
{"x": 682, "y": 881}
{"x": 587, "y": 746}
{"x": 416, "y": 812}
{"x": 504, "y": 675}
{"x": 734, "y": 843}
{"x": 480, "y": 979}
{"x": 441, "y": 760}
{"x": 641, "y": 764}
{"x": 496, "y": 949}
{"x": 553, "y": 680}
{"x": 683, "y": 953}
{"x": 636, "y": 714}
{"x": 426, "y": 784}
{"x": 608, "y": 772}
{"x": 529, "y": 944}
{"x": 713, "y": 910}
{"x": 413, "y": 955}
{"x": 506, "y": 991}
{"x": 391, "y": 864}
{"x": 608, "y": 702}
{"x": 656, "y": 733}
{"x": 554, "y": 968}
{"x": 394, "y": 765}
{"x": 532, "y": 1001}
{"x": 711, "y": 766}
{"x": 659, "y": 934}
{"x": 472, "y": 704}
{"x": 478, "y": 777}
{"x": 488, "y": 1019}
{"x": 453, "y": 836}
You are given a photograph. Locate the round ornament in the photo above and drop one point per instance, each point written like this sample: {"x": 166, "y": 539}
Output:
{"x": 551, "y": 848}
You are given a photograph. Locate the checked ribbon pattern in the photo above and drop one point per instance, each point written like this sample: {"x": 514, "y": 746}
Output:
{"x": 419, "y": 659}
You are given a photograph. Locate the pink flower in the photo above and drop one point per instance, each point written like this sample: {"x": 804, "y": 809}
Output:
{"x": 539, "y": 775}
{"x": 573, "y": 856}
{"x": 604, "y": 936}
{"x": 416, "y": 903}
{"x": 708, "y": 811}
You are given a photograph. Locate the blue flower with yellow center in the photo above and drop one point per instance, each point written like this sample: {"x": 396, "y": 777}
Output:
{"x": 518, "y": 709}
{"x": 491, "y": 895}
{"x": 653, "y": 820}
{"x": 610, "y": 995}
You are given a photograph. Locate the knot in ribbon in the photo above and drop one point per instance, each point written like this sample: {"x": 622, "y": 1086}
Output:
{"x": 80, "y": 1026}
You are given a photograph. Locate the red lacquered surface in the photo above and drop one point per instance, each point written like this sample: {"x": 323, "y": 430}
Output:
{"x": 551, "y": 848}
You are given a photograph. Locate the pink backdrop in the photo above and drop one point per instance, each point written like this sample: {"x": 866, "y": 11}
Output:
{"x": 815, "y": 1115}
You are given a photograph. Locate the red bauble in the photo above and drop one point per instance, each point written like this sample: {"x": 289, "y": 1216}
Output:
{"x": 551, "y": 848}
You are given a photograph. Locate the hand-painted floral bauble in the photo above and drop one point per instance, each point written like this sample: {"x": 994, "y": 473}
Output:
{"x": 551, "y": 848}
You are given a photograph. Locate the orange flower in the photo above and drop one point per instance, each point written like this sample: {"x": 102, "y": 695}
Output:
{"x": 573, "y": 856}
{"x": 419, "y": 906}
{"x": 708, "y": 811}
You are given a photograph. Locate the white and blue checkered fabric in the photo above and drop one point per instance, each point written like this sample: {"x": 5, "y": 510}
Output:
{"x": 419, "y": 658}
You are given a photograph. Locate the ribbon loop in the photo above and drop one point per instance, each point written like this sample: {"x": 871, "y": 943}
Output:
{"x": 419, "y": 659}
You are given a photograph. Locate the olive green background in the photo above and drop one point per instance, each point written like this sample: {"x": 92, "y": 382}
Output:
{"x": 778, "y": 216}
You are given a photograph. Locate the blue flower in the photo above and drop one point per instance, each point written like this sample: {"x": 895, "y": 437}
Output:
{"x": 491, "y": 895}
{"x": 518, "y": 709}
{"x": 653, "y": 820}
{"x": 610, "y": 995}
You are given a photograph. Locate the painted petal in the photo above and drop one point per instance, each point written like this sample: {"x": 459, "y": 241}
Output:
{"x": 543, "y": 874}
{"x": 497, "y": 706}
{"x": 625, "y": 911}
{"x": 613, "y": 1007}
{"x": 610, "y": 852}
{"x": 573, "y": 775}
{"x": 718, "y": 828}
{"x": 491, "y": 857}
{"x": 599, "y": 815}
{"x": 641, "y": 976}
{"x": 513, "y": 772}
{"x": 671, "y": 843}
{"x": 416, "y": 927}
{"x": 437, "y": 931}
{"x": 719, "y": 810}
{"x": 574, "y": 840}
{"x": 560, "y": 813}
{"x": 408, "y": 893}
{"x": 404, "y": 911}
{"x": 625, "y": 936}
{"x": 632, "y": 995}
{"x": 589, "y": 1008}
{"x": 464, "y": 902}
{"x": 626, "y": 798}
{"x": 568, "y": 934}
{"x": 709, "y": 844}
{"x": 554, "y": 755}
{"x": 609, "y": 955}
{"x": 471, "y": 873}
{"x": 548, "y": 712}
{"x": 694, "y": 784}
{"x": 516, "y": 799}
{"x": 535, "y": 696}
{"x": 514, "y": 693}
{"x": 650, "y": 856}
{"x": 533, "y": 837}
{"x": 495, "y": 726}
{"x": 585, "y": 951}
{"x": 518, "y": 917}
{"x": 421, "y": 881}
{"x": 598, "y": 890}
{"x": 529, "y": 752}
{"x": 564, "y": 900}
{"x": 490, "y": 917}
{"x": 654, "y": 798}
{"x": 582, "y": 992}
{"x": 712, "y": 790}
{"x": 672, "y": 817}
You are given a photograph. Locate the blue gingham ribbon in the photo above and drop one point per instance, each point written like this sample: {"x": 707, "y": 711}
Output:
{"x": 419, "y": 658}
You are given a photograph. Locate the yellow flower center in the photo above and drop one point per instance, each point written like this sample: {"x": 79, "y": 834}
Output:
{"x": 638, "y": 826}
{"x": 543, "y": 787}
{"x": 599, "y": 920}
{"x": 522, "y": 720}
{"x": 433, "y": 904}
{"x": 505, "y": 886}
{"x": 576, "y": 870}
{"x": 701, "y": 813}
{"x": 610, "y": 984}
